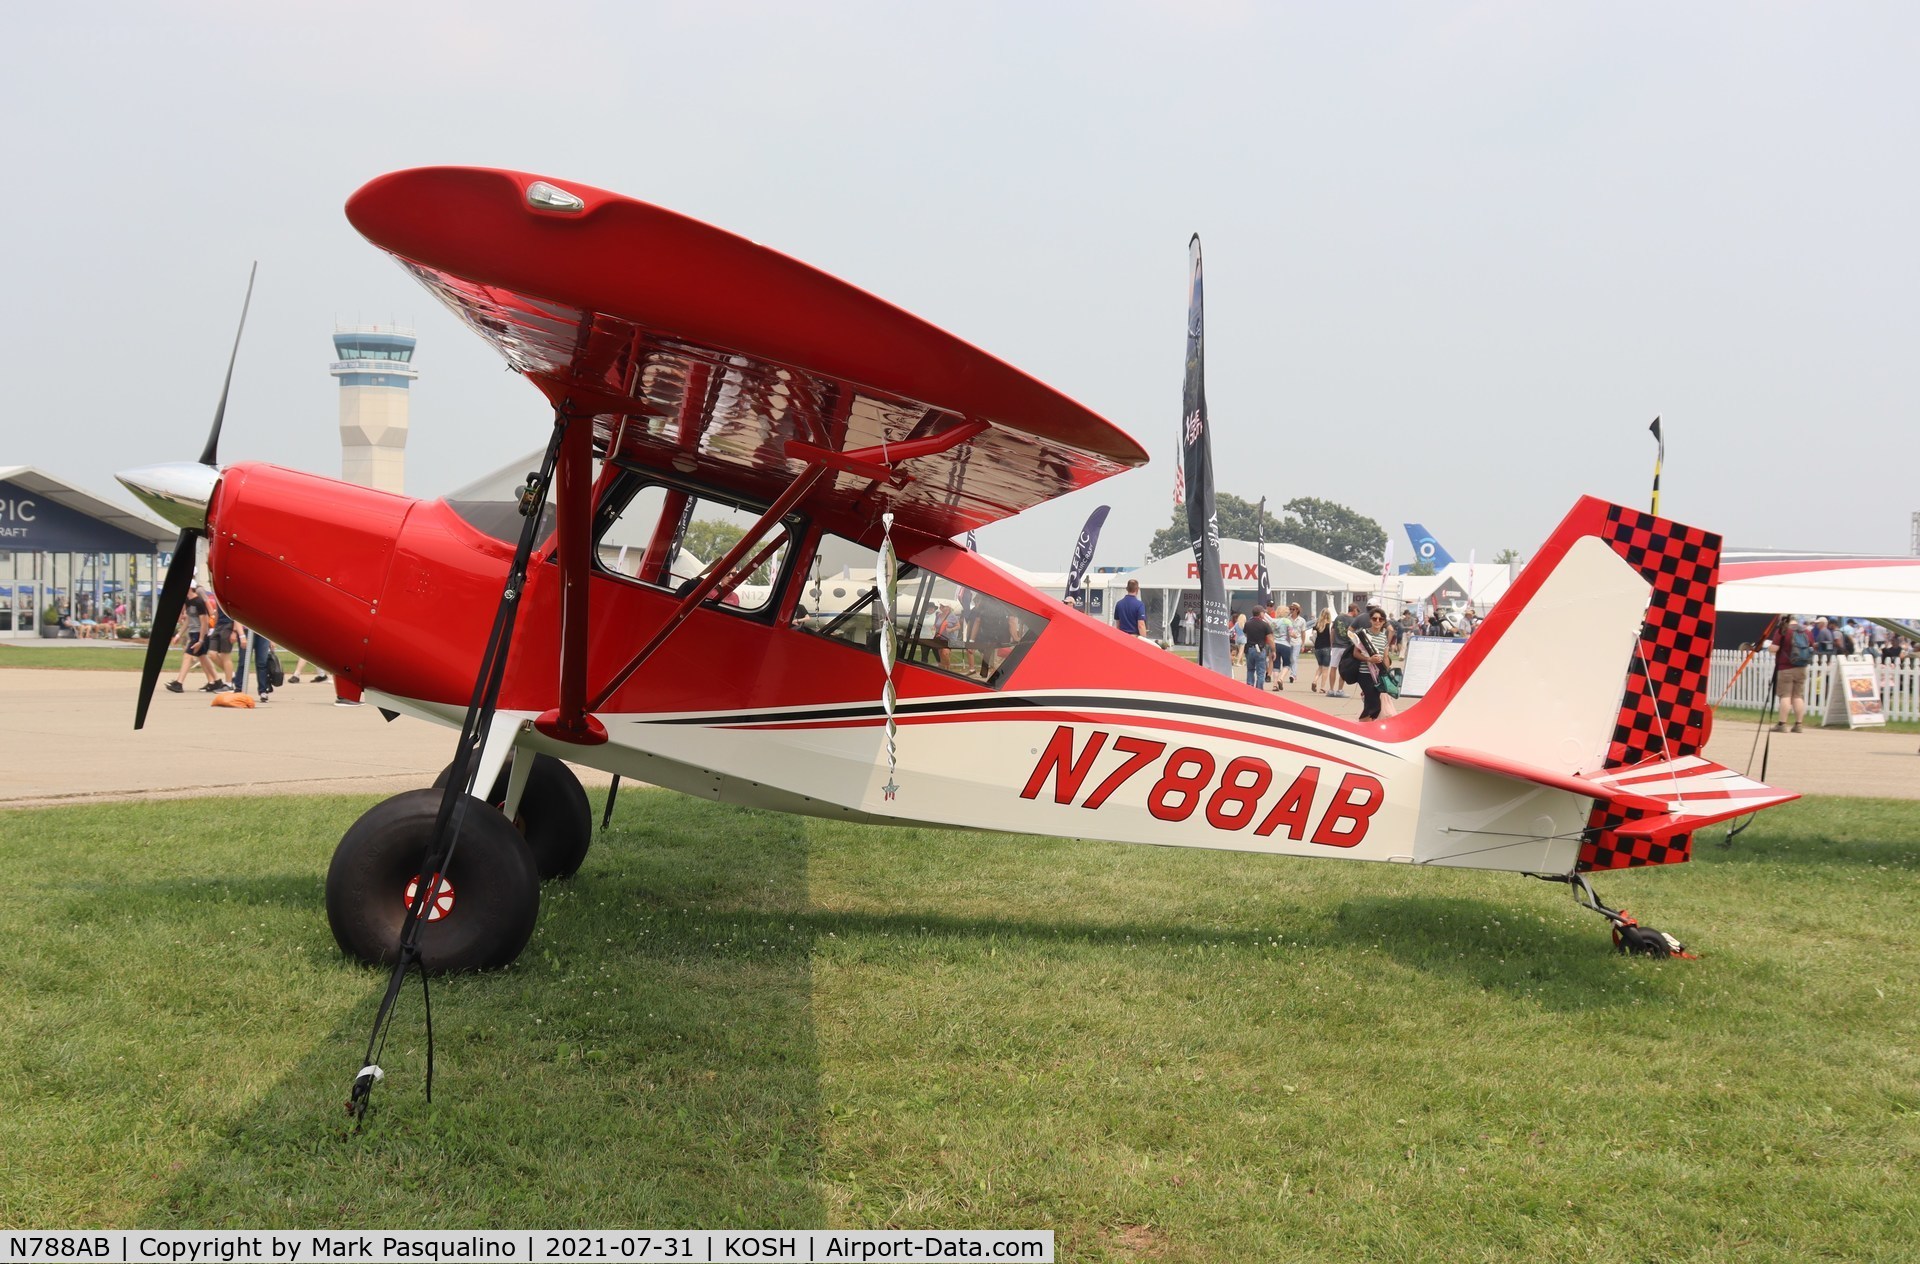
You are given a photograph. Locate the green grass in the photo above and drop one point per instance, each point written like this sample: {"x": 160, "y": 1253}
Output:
{"x": 741, "y": 1019}
{"x": 1741, "y": 715}
{"x": 126, "y": 656}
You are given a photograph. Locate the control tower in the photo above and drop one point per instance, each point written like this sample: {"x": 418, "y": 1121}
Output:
{"x": 375, "y": 369}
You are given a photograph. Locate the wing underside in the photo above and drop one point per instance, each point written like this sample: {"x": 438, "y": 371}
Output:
{"x": 701, "y": 352}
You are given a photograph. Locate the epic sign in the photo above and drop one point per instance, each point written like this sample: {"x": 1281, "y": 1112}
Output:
{"x": 34, "y": 521}
{"x": 12, "y": 511}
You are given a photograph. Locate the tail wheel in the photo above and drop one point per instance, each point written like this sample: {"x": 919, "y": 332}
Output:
{"x": 554, "y": 816}
{"x": 483, "y": 907}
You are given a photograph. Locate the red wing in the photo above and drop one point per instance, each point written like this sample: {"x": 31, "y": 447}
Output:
{"x": 698, "y": 350}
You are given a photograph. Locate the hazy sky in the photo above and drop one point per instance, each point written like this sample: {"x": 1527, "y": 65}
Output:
{"x": 1458, "y": 255}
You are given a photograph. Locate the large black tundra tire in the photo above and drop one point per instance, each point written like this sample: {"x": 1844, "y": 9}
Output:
{"x": 489, "y": 899}
{"x": 554, "y": 816}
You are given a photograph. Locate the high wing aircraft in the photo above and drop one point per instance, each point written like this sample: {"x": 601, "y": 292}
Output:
{"x": 691, "y": 377}
{"x": 1426, "y": 548}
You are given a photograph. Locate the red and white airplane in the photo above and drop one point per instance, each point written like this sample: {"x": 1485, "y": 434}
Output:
{"x": 693, "y": 376}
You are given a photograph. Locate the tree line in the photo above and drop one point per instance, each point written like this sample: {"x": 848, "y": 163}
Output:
{"x": 1328, "y": 529}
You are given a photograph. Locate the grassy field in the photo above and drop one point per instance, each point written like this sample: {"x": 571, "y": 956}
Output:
{"x": 739, "y": 1019}
{"x": 1741, "y": 715}
{"x": 123, "y": 656}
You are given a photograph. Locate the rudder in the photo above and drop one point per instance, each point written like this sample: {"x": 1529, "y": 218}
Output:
{"x": 1664, "y": 712}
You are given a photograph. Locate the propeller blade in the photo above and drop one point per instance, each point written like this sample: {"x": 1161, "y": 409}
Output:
{"x": 210, "y": 453}
{"x": 166, "y": 612}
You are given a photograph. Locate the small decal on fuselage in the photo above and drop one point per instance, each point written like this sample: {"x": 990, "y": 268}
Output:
{"x": 1189, "y": 780}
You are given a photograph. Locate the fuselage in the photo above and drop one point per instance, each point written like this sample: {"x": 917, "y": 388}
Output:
{"x": 1022, "y": 715}
{"x": 1046, "y": 722}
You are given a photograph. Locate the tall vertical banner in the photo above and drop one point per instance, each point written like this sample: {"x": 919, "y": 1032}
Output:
{"x": 1196, "y": 464}
{"x": 1261, "y": 577}
{"x": 1083, "y": 555}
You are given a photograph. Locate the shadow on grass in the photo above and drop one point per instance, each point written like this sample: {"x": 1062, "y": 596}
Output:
{"x": 1484, "y": 944}
{"x": 649, "y": 1060}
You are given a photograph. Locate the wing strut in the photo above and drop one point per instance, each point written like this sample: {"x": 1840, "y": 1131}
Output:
{"x": 721, "y": 570}
{"x": 573, "y": 492}
{"x": 877, "y": 463}
{"x": 446, "y": 825}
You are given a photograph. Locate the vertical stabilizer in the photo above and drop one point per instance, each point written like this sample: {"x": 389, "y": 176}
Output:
{"x": 1426, "y": 548}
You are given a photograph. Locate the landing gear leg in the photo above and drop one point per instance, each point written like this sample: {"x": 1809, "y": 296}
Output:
{"x": 1629, "y": 936}
{"x": 551, "y": 812}
{"x": 440, "y": 850}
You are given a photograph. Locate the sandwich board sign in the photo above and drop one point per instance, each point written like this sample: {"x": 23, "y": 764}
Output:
{"x": 1427, "y": 657}
{"x": 1853, "y": 693}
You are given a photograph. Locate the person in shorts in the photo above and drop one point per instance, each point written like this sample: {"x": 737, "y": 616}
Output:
{"x": 1791, "y": 655}
{"x": 220, "y": 645}
{"x": 195, "y": 634}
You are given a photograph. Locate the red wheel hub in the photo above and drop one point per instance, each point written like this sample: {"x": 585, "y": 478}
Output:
{"x": 442, "y": 903}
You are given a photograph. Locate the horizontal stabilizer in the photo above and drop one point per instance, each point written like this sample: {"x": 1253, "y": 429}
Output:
{"x": 1678, "y": 795}
{"x": 1690, "y": 792}
{"x": 1500, "y": 765}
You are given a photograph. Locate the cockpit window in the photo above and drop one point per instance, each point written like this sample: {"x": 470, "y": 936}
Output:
{"x": 937, "y": 624}
{"x": 671, "y": 537}
{"x": 501, "y": 519}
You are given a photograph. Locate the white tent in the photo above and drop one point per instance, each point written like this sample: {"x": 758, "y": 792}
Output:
{"x": 1457, "y": 583}
{"x": 1296, "y": 574}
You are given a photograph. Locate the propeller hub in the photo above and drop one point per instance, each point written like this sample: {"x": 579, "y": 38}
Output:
{"x": 178, "y": 491}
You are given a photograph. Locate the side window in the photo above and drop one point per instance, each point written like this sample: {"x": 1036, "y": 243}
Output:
{"x": 669, "y": 538}
{"x": 937, "y": 624}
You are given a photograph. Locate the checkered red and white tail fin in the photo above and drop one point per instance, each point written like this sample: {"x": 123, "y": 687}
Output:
{"x": 1591, "y": 671}
{"x": 1664, "y": 711}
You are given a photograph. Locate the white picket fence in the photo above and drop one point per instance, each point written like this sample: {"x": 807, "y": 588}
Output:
{"x": 1899, "y": 683}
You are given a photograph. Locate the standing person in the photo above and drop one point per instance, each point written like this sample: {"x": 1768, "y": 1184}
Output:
{"x": 300, "y": 666}
{"x": 1791, "y": 655}
{"x": 1188, "y": 622}
{"x": 1323, "y": 679}
{"x": 220, "y": 644}
{"x": 1374, "y": 645}
{"x": 1280, "y": 651}
{"x": 1343, "y": 627}
{"x": 1236, "y": 640}
{"x": 196, "y": 633}
{"x": 946, "y": 630}
{"x": 1130, "y": 613}
{"x": 1297, "y": 638}
{"x": 253, "y": 646}
{"x": 1259, "y": 635}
